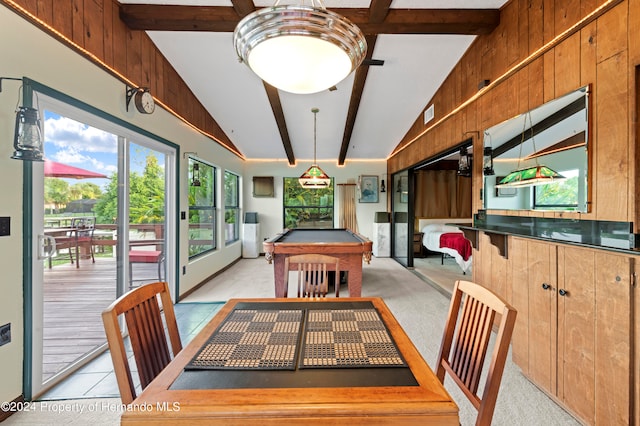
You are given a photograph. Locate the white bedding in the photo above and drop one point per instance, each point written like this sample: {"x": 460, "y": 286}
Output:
{"x": 431, "y": 240}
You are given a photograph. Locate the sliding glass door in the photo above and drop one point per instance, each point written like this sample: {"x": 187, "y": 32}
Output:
{"x": 401, "y": 219}
{"x": 103, "y": 218}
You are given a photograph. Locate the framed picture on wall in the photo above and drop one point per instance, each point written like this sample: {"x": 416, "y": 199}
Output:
{"x": 368, "y": 189}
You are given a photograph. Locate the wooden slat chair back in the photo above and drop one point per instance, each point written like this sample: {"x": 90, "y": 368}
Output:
{"x": 147, "y": 335}
{"x": 466, "y": 342}
{"x": 313, "y": 276}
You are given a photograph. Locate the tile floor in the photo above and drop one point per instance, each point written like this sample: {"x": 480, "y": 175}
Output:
{"x": 97, "y": 379}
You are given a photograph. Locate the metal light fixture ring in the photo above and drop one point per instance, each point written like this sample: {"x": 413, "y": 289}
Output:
{"x": 299, "y": 30}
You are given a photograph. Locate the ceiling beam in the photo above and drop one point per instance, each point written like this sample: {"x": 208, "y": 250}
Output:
{"x": 378, "y": 11}
{"x": 153, "y": 17}
{"x": 278, "y": 114}
{"x": 354, "y": 103}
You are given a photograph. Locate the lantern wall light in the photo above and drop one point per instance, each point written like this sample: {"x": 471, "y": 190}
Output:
{"x": 27, "y": 136}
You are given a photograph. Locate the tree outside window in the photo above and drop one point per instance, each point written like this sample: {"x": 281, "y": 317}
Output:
{"x": 306, "y": 207}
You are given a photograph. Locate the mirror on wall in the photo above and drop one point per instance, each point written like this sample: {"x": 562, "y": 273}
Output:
{"x": 554, "y": 135}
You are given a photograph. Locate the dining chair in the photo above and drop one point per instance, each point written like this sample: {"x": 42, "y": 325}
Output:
{"x": 465, "y": 344}
{"x": 313, "y": 276}
{"x": 147, "y": 336}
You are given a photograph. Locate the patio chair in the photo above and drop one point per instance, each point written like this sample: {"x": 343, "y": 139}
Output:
{"x": 78, "y": 239}
{"x": 468, "y": 330}
{"x": 313, "y": 276}
{"x": 146, "y": 333}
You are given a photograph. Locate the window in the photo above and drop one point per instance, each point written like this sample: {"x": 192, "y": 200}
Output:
{"x": 307, "y": 208}
{"x": 231, "y": 207}
{"x": 560, "y": 195}
{"x": 202, "y": 207}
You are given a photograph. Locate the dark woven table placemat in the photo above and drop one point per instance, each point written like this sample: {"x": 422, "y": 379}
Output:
{"x": 348, "y": 338}
{"x": 253, "y": 339}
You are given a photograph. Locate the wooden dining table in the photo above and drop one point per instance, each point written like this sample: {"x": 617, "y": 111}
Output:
{"x": 318, "y": 390}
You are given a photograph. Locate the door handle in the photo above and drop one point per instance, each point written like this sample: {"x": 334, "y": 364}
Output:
{"x": 46, "y": 247}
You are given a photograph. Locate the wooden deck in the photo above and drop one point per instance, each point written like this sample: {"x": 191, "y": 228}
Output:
{"x": 74, "y": 299}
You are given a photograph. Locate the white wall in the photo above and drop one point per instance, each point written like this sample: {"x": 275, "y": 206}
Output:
{"x": 28, "y": 52}
{"x": 270, "y": 210}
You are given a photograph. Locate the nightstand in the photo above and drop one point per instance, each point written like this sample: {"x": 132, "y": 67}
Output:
{"x": 418, "y": 250}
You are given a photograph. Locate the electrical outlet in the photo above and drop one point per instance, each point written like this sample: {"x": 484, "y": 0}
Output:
{"x": 5, "y": 334}
{"x": 183, "y": 215}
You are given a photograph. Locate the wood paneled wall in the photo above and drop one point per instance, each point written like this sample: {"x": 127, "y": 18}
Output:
{"x": 603, "y": 53}
{"x": 95, "y": 26}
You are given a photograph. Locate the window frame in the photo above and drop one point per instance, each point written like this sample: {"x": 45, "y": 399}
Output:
{"x": 289, "y": 182}
{"x": 231, "y": 205}
{"x": 194, "y": 207}
{"x": 561, "y": 206}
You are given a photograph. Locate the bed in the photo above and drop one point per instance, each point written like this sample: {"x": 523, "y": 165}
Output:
{"x": 440, "y": 237}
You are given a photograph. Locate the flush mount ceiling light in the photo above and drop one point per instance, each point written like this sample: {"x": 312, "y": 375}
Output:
{"x": 314, "y": 177}
{"x": 299, "y": 49}
{"x": 533, "y": 175}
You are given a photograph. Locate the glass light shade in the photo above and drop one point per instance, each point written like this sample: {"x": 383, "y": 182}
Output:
{"x": 537, "y": 175}
{"x": 27, "y": 140}
{"x": 314, "y": 177}
{"x": 299, "y": 49}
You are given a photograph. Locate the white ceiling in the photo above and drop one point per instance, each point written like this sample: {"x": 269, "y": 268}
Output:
{"x": 394, "y": 95}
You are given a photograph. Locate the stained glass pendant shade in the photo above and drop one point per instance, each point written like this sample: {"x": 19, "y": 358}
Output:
{"x": 536, "y": 175}
{"x": 314, "y": 177}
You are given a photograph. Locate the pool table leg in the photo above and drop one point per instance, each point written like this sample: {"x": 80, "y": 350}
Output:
{"x": 354, "y": 277}
{"x": 278, "y": 273}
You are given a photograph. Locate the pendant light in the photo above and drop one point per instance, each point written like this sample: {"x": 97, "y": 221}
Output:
{"x": 314, "y": 177}
{"x": 299, "y": 49}
{"x": 529, "y": 176}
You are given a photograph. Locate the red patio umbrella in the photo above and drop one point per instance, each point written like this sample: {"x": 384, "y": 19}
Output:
{"x": 59, "y": 170}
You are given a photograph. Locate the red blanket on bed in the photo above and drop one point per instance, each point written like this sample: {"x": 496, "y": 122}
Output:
{"x": 457, "y": 242}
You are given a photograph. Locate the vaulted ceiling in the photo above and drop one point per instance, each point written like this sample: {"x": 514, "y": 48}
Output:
{"x": 412, "y": 47}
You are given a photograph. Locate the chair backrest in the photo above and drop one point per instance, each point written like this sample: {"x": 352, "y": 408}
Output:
{"x": 313, "y": 277}
{"x": 84, "y": 226}
{"x": 466, "y": 342}
{"x": 147, "y": 335}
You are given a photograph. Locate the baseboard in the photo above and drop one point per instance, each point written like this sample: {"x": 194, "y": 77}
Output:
{"x": 12, "y": 407}
{"x": 206, "y": 280}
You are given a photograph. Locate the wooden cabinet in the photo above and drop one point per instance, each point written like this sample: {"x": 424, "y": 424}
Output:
{"x": 574, "y": 331}
{"x": 418, "y": 248}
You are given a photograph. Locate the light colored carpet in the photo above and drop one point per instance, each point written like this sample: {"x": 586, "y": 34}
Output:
{"x": 419, "y": 307}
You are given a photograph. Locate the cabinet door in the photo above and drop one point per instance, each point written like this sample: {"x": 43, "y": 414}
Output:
{"x": 613, "y": 339}
{"x": 520, "y": 300}
{"x": 542, "y": 314}
{"x": 576, "y": 326}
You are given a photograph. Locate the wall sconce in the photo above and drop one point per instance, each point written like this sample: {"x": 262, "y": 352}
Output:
{"x": 487, "y": 161}
{"x": 195, "y": 175}
{"x": 464, "y": 163}
{"x": 382, "y": 187}
{"x": 27, "y": 139}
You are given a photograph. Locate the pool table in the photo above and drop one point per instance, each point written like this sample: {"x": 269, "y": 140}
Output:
{"x": 350, "y": 247}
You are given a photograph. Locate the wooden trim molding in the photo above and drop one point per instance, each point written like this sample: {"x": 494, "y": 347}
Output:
{"x": 595, "y": 14}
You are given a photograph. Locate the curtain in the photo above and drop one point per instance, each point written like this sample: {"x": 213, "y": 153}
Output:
{"x": 348, "y": 206}
{"x": 442, "y": 193}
